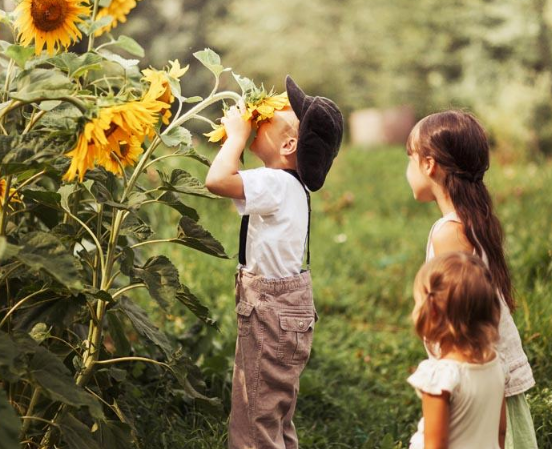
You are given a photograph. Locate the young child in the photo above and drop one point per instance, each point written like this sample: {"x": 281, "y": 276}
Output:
{"x": 457, "y": 309}
{"x": 448, "y": 156}
{"x": 275, "y": 308}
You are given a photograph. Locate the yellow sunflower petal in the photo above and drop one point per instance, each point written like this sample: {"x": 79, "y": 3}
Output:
{"x": 14, "y": 196}
{"x": 277, "y": 101}
{"x": 218, "y": 134}
{"x": 118, "y": 10}
{"x": 176, "y": 71}
{"x": 50, "y": 23}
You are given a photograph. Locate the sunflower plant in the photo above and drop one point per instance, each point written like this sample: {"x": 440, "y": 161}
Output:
{"x": 260, "y": 106}
{"x": 83, "y": 140}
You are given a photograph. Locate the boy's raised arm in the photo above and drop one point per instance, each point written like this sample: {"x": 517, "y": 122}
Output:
{"x": 223, "y": 178}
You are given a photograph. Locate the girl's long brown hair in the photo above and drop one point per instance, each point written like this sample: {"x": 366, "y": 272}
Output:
{"x": 459, "y": 145}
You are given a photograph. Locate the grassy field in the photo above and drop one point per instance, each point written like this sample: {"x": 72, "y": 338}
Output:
{"x": 368, "y": 241}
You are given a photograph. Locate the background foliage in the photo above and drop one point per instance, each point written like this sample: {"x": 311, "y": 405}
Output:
{"x": 368, "y": 234}
{"x": 491, "y": 56}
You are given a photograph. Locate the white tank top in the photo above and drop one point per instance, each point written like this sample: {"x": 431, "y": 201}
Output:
{"x": 509, "y": 346}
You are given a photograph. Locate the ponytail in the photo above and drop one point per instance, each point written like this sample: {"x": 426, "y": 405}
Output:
{"x": 474, "y": 207}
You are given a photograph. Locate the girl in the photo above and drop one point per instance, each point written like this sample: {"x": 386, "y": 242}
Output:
{"x": 457, "y": 308}
{"x": 449, "y": 154}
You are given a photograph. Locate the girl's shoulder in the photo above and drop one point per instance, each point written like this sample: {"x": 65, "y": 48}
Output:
{"x": 436, "y": 376}
{"x": 450, "y": 236}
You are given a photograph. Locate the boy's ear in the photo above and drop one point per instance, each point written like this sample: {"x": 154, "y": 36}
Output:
{"x": 289, "y": 146}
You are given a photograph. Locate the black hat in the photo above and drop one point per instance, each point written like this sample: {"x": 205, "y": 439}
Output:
{"x": 320, "y": 134}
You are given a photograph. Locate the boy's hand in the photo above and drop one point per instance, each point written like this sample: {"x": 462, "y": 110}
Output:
{"x": 223, "y": 178}
{"x": 236, "y": 127}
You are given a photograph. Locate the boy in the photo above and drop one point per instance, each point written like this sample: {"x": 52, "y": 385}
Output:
{"x": 275, "y": 306}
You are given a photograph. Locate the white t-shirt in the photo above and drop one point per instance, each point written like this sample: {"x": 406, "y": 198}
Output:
{"x": 476, "y": 395}
{"x": 277, "y": 205}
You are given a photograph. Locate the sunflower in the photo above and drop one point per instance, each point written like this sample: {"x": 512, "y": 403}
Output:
{"x": 114, "y": 139}
{"x": 49, "y": 22}
{"x": 264, "y": 109}
{"x": 218, "y": 134}
{"x": 13, "y": 199}
{"x": 118, "y": 10}
{"x": 124, "y": 154}
{"x": 260, "y": 106}
{"x": 160, "y": 88}
{"x": 91, "y": 142}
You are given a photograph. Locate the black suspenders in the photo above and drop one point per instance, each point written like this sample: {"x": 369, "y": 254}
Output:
{"x": 245, "y": 225}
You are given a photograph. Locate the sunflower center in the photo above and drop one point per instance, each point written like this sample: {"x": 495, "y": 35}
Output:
{"x": 48, "y": 15}
{"x": 124, "y": 148}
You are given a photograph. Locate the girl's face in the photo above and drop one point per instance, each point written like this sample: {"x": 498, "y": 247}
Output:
{"x": 418, "y": 176}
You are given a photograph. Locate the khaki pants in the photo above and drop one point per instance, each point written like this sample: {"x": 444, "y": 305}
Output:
{"x": 275, "y": 330}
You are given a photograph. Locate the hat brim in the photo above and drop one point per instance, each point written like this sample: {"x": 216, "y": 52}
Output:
{"x": 298, "y": 100}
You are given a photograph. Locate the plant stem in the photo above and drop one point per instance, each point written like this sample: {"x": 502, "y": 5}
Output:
{"x": 96, "y": 241}
{"x": 151, "y": 242}
{"x": 128, "y": 288}
{"x": 25, "y": 299}
{"x": 94, "y": 15}
{"x": 225, "y": 95}
{"x": 204, "y": 119}
{"x": 140, "y": 167}
{"x": 160, "y": 158}
{"x": 27, "y": 422}
{"x": 81, "y": 105}
{"x": 131, "y": 359}
{"x": 26, "y": 182}
{"x": 8, "y": 79}
{"x": 7, "y": 274}
{"x": 95, "y": 331}
{"x": 52, "y": 423}
{"x": 35, "y": 118}
{"x": 97, "y": 269}
{"x": 14, "y": 105}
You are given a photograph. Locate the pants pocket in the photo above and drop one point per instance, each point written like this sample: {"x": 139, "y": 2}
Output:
{"x": 244, "y": 309}
{"x": 296, "y": 334}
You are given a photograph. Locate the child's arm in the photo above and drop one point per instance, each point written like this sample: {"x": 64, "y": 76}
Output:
{"x": 223, "y": 178}
{"x": 502, "y": 426}
{"x": 451, "y": 237}
{"x": 436, "y": 411}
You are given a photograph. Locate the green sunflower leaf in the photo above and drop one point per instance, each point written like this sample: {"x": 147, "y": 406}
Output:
{"x": 11, "y": 424}
{"x": 211, "y": 60}
{"x": 143, "y": 325}
{"x": 43, "y": 251}
{"x": 181, "y": 181}
{"x": 20, "y": 54}
{"x": 194, "y": 236}
{"x": 161, "y": 278}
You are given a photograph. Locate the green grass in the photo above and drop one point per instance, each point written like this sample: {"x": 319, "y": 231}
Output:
{"x": 368, "y": 241}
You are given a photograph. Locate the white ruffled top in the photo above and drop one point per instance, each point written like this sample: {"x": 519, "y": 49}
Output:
{"x": 476, "y": 395}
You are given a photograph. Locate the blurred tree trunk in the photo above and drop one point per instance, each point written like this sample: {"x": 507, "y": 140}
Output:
{"x": 544, "y": 63}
